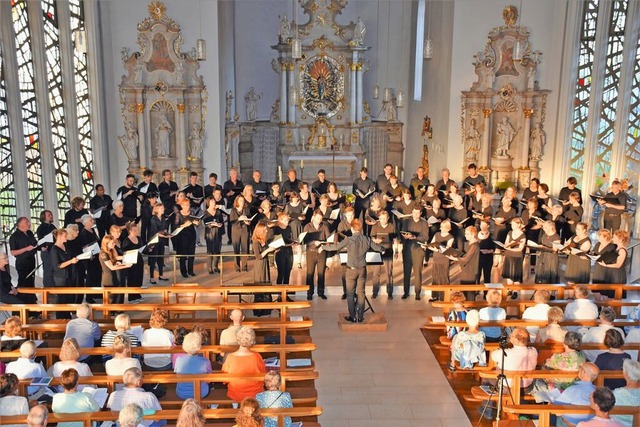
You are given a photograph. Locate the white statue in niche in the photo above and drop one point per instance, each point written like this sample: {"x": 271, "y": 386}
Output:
{"x": 531, "y": 78}
{"x": 537, "y": 141}
{"x": 389, "y": 107}
{"x": 178, "y": 74}
{"x": 473, "y": 142}
{"x": 196, "y": 141}
{"x": 285, "y": 29}
{"x": 506, "y": 133}
{"x": 359, "y": 31}
{"x": 137, "y": 74}
{"x": 129, "y": 140}
{"x": 251, "y": 98}
{"x": 162, "y": 133}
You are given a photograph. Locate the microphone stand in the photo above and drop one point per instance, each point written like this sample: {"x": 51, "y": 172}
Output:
{"x": 333, "y": 161}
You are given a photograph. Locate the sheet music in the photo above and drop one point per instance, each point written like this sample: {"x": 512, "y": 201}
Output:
{"x": 277, "y": 243}
{"x": 130, "y": 257}
{"x": 301, "y": 237}
{"x": 46, "y": 239}
{"x": 144, "y": 189}
{"x": 84, "y": 255}
{"x": 334, "y": 214}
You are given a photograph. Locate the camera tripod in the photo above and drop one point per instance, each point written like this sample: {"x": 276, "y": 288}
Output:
{"x": 500, "y": 385}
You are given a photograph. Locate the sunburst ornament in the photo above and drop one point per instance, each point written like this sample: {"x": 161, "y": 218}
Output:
{"x": 157, "y": 9}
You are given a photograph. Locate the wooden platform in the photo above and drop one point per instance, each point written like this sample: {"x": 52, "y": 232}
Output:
{"x": 373, "y": 322}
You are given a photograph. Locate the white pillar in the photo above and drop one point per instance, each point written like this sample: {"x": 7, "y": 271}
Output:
{"x": 284, "y": 98}
{"x": 291, "y": 83}
{"x": 142, "y": 130}
{"x": 485, "y": 151}
{"x": 524, "y": 154}
{"x": 359, "y": 89}
{"x": 352, "y": 92}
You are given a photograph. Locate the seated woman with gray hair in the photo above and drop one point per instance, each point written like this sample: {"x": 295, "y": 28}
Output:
{"x": 274, "y": 398}
{"x": 244, "y": 361}
{"x": 467, "y": 346}
{"x": 192, "y": 363}
{"x": 130, "y": 416}
{"x": 628, "y": 395}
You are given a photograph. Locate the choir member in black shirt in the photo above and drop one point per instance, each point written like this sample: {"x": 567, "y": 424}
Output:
{"x": 435, "y": 216}
{"x": 614, "y": 207}
{"x": 63, "y": 263}
{"x": 486, "y": 210}
{"x": 168, "y": 190}
{"x": 363, "y": 188}
{"x": 573, "y": 212}
{"x": 101, "y": 200}
{"x": 129, "y": 196}
{"x": 46, "y": 227}
{"x": 336, "y": 201}
{"x": 73, "y": 215}
{"x": 501, "y": 220}
{"x": 429, "y": 195}
{"x": 469, "y": 261}
{"x": 547, "y": 265}
{"x": 230, "y": 190}
{"x": 384, "y": 234}
{"x": 9, "y": 294}
{"x": 394, "y": 190}
{"x": 146, "y": 213}
{"x": 343, "y": 231}
{"x": 307, "y": 198}
{"x": 261, "y": 250}
{"x": 213, "y": 221}
{"x": 275, "y": 196}
{"x": 487, "y": 249}
{"x": 319, "y": 186}
{"x": 602, "y": 248}
{"x": 147, "y": 186}
{"x": 514, "y": 254}
{"x": 565, "y": 192}
{"x": 194, "y": 192}
{"x": 473, "y": 179}
{"x": 440, "y": 271}
{"x": 382, "y": 182}
{"x": 532, "y": 221}
{"x": 74, "y": 248}
{"x": 260, "y": 187}
{"x": 443, "y": 186}
{"x": 90, "y": 268}
{"x": 372, "y": 214}
{"x": 284, "y": 255}
{"x": 532, "y": 191}
{"x": 239, "y": 220}
{"x": 212, "y": 185}
{"x": 459, "y": 219}
{"x": 416, "y": 231}
{"x": 158, "y": 225}
{"x": 135, "y": 274}
{"x": 291, "y": 184}
{"x": 419, "y": 184}
{"x": 316, "y": 260}
{"x": 23, "y": 245}
{"x": 118, "y": 218}
{"x": 185, "y": 242}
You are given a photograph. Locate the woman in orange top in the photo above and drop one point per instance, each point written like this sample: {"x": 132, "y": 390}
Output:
{"x": 244, "y": 361}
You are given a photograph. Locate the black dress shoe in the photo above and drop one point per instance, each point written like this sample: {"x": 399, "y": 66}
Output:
{"x": 405, "y": 296}
{"x": 309, "y": 297}
{"x": 418, "y": 297}
{"x": 344, "y": 296}
{"x": 350, "y": 319}
{"x": 153, "y": 282}
{"x": 390, "y": 297}
{"x": 360, "y": 320}
{"x": 192, "y": 274}
{"x": 323, "y": 296}
{"x": 185, "y": 275}
{"x": 216, "y": 270}
{"x": 164, "y": 279}
{"x": 433, "y": 299}
{"x": 374, "y": 296}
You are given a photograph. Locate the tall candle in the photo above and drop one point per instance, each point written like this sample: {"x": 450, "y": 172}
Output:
{"x": 280, "y": 173}
{"x": 396, "y": 171}
{"x": 301, "y": 164}
{"x": 365, "y": 162}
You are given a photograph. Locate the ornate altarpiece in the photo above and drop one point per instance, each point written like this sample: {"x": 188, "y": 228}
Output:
{"x": 320, "y": 119}
{"x": 503, "y": 115}
{"x": 164, "y": 101}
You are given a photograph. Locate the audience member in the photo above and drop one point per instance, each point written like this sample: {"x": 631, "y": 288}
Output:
{"x": 519, "y": 357}
{"x": 69, "y": 358}
{"x": 538, "y": 311}
{"x": 38, "y": 416}
{"x": 25, "y": 367}
{"x": 228, "y": 335}
{"x": 85, "y": 331}
{"x": 457, "y": 313}
{"x": 122, "y": 359}
{"x": 190, "y": 415}
{"x": 131, "y": 416}
{"x": 613, "y": 358}
{"x": 578, "y": 394}
{"x": 582, "y": 308}
{"x": 72, "y": 401}
{"x": 249, "y": 414}
{"x": 596, "y": 334}
{"x": 602, "y": 401}
{"x": 628, "y": 395}
{"x": 134, "y": 393}
{"x": 10, "y": 404}
{"x": 493, "y": 312}
{"x": 244, "y": 361}
{"x": 12, "y": 329}
{"x": 192, "y": 363}
{"x": 467, "y": 346}
{"x": 157, "y": 336}
{"x": 274, "y": 398}
{"x": 122, "y": 323}
{"x": 553, "y": 331}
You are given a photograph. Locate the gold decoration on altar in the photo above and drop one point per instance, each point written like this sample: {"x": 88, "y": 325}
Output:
{"x": 289, "y": 136}
{"x": 510, "y": 15}
{"x": 157, "y": 9}
{"x": 180, "y": 108}
{"x": 322, "y": 86}
{"x": 323, "y": 43}
{"x": 321, "y": 130}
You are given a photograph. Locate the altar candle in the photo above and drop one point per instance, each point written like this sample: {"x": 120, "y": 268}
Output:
{"x": 396, "y": 171}
{"x": 365, "y": 162}
{"x": 280, "y": 173}
{"x": 387, "y": 94}
{"x": 301, "y": 164}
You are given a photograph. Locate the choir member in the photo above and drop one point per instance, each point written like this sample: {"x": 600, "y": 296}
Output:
{"x": 185, "y": 242}
{"x": 382, "y": 182}
{"x": 511, "y": 193}
{"x": 602, "y": 247}
{"x": 275, "y": 197}
{"x": 515, "y": 244}
{"x": 363, "y": 188}
{"x": 231, "y": 189}
{"x": 146, "y": 213}
{"x": 443, "y": 239}
{"x": 443, "y": 186}
{"x": 118, "y": 218}
{"x": 459, "y": 216}
{"x": 212, "y": 185}
{"x": 469, "y": 261}
{"x": 578, "y": 264}
{"x": 284, "y": 255}
{"x": 417, "y": 231}
{"x": 104, "y": 201}
{"x": 394, "y": 190}
{"x": 533, "y": 190}
{"x": 419, "y": 184}
{"x": 547, "y": 265}
{"x": 295, "y": 212}
{"x": 8, "y": 293}
{"x": 614, "y": 205}
{"x": 485, "y": 212}
{"x": 135, "y": 274}
{"x": 239, "y": 220}
{"x": 291, "y": 184}
{"x": 343, "y": 231}
{"x": 46, "y": 227}
{"x": 545, "y": 202}
{"x": 23, "y": 246}
{"x": 615, "y": 270}
{"x": 435, "y": 215}
{"x": 261, "y": 250}
{"x": 168, "y": 190}
{"x": 505, "y": 213}
{"x": 316, "y": 260}
{"x": 129, "y": 196}
{"x": 384, "y": 234}
{"x": 573, "y": 212}
{"x": 158, "y": 225}
{"x": 487, "y": 248}
{"x": 88, "y": 269}
{"x": 73, "y": 215}
{"x": 430, "y": 195}
{"x": 147, "y": 187}
{"x": 62, "y": 263}
{"x": 472, "y": 180}
{"x": 260, "y": 187}
{"x": 111, "y": 264}
{"x": 307, "y": 198}
{"x": 404, "y": 206}
{"x": 565, "y": 192}
{"x": 319, "y": 186}
{"x": 335, "y": 199}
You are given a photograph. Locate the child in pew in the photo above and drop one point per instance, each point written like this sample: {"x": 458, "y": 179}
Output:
{"x": 467, "y": 346}
{"x": 492, "y": 312}
{"x": 457, "y": 313}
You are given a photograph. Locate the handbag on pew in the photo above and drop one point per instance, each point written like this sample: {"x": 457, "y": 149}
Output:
{"x": 158, "y": 390}
{"x": 262, "y": 298}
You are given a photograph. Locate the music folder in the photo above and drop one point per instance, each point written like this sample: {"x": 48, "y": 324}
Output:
{"x": 372, "y": 258}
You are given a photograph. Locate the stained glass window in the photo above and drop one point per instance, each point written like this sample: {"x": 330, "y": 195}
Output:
{"x": 583, "y": 87}
{"x": 29, "y": 108}
{"x": 56, "y": 104}
{"x": 7, "y": 189}
{"x": 633, "y": 131}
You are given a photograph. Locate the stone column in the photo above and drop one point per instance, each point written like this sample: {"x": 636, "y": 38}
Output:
{"x": 352, "y": 91}
{"x": 179, "y": 134}
{"x": 284, "y": 99}
{"x": 485, "y": 150}
{"x": 524, "y": 154}
{"x": 142, "y": 137}
{"x": 359, "y": 77}
{"x": 291, "y": 85}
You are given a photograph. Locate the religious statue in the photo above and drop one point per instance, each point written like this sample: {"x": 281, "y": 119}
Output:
{"x": 227, "y": 111}
{"x": 425, "y": 159}
{"x": 506, "y": 133}
{"x": 537, "y": 141}
{"x": 531, "y": 77}
{"x": 426, "y": 127}
{"x": 162, "y": 133}
{"x": 129, "y": 140}
{"x": 196, "y": 139}
{"x": 275, "y": 111}
{"x": 472, "y": 139}
{"x": 285, "y": 29}
{"x": 389, "y": 107}
{"x": 251, "y": 98}
{"x": 178, "y": 75}
{"x": 137, "y": 74}
{"x": 359, "y": 31}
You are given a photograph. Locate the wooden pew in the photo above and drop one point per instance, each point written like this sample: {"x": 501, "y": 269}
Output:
{"x": 87, "y": 418}
{"x": 544, "y": 412}
{"x": 620, "y": 323}
{"x": 521, "y": 305}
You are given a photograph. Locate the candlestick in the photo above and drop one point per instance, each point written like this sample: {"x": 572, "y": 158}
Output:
{"x": 280, "y": 173}
{"x": 387, "y": 94}
{"x": 376, "y": 92}
{"x": 396, "y": 171}
{"x": 365, "y": 162}
{"x": 301, "y": 164}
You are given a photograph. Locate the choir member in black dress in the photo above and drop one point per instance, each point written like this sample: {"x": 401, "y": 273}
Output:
{"x": 158, "y": 225}
{"x": 532, "y": 220}
{"x": 194, "y": 192}
{"x": 129, "y": 196}
{"x": 384, "y": 234}
{"x": 146, "y": 213}
{"x": 435, "y": 215}
{"x": 514, "y": 254}
{"x": 501, "y": 220}
{"x": 88, "y": 269}
{"x": 487, "y": 249}
{"x": 62, "y": 262}
{"x": 372, "y": 214}
{"x": 336, "y": 200}
{"x": 212, "y": 185}
{"x": 614, "y": 208}
{"x": 267, "y": 215}
{"x": 443, "y": 239}
{"x": 46, "y": 227}
{"x": 545, "y": 202}
{"x": 382, "y": 182}
{"x": 22, "y": 244}
{"x": 239, "y": 219}
{"x": 104, "y": 201}
{"x": 325, "y": 208}
{"x": 565, "y": 192}
{"x": 135, "y": 274}
{"x": 475, "y": 198}
{"x": 119, "y": 219}
{"x": 185, "y": 242}
{"x": 614, "y": 263}
{"x": 261, "y": 250}
{"x": 76, "y": 272}
{"x": 416, "y": 231}
{"x": 573, "y": 212}
{"x": 547, "y": 265}
{"x": 469, "y": 261}
{"x": 316, "y": 260}
{"x": 111, "y": 265}
{"x": 419, "y": 184}
{"x": 275, "y": 196}
{"x": 363, "y": 188}
{"x": 284, "y": 255}
{"x": 429, "y": 196}
{"x": 532, "y": 191}
{"x": 511, "y": 193}
{"x": 603, "y": 246}
{"x": 168, "y": 190}
{"x": 147, "y": 187}
{"x": 213, "y": 221}
{"x": 404, "y": 206}
{"x": 319, "y": 186}
{"x": 343, "y": 231}
{"x": 297, "y": 217}
{"x": 578, "y": 264}
{"x": 73, "y": 215}
{"x": 307, "y": 198}
{"x": 253, "y": 203}
{"x": 473, "y": 178}
{"x": 459, "y": 217}
{"x": 8, "y": 293}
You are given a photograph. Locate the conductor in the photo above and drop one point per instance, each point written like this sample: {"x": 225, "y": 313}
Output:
{"x": 356, "y": 275}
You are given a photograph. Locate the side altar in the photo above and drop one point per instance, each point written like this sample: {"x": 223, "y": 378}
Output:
{"x": 320, "y": 119}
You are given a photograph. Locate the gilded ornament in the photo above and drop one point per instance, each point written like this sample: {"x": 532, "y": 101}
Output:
{"x": 528, "y": 112}
{"x": 289, "y": 137}
{"x": 157, "y": 9}
{"x": 486, "y": 112}
{"x": 510, "y": 15}
{"x": 139, "y": 108}
{"x": 180, "y": 108}
{"x": 322, "y": 43}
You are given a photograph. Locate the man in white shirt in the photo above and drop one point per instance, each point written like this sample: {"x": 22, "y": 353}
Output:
{"x": 134, "y": 393}
{"x": 38, "y": 416}
{"x": 596, "y": 334}
{"x": 582, "y": 308}
{"x": 519, "y": 357}
{"x": 25, "y": 367}
{"x": 228, "y": 336}
{"x": 539, "y": 311}
{"x": 84, "y": 330}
